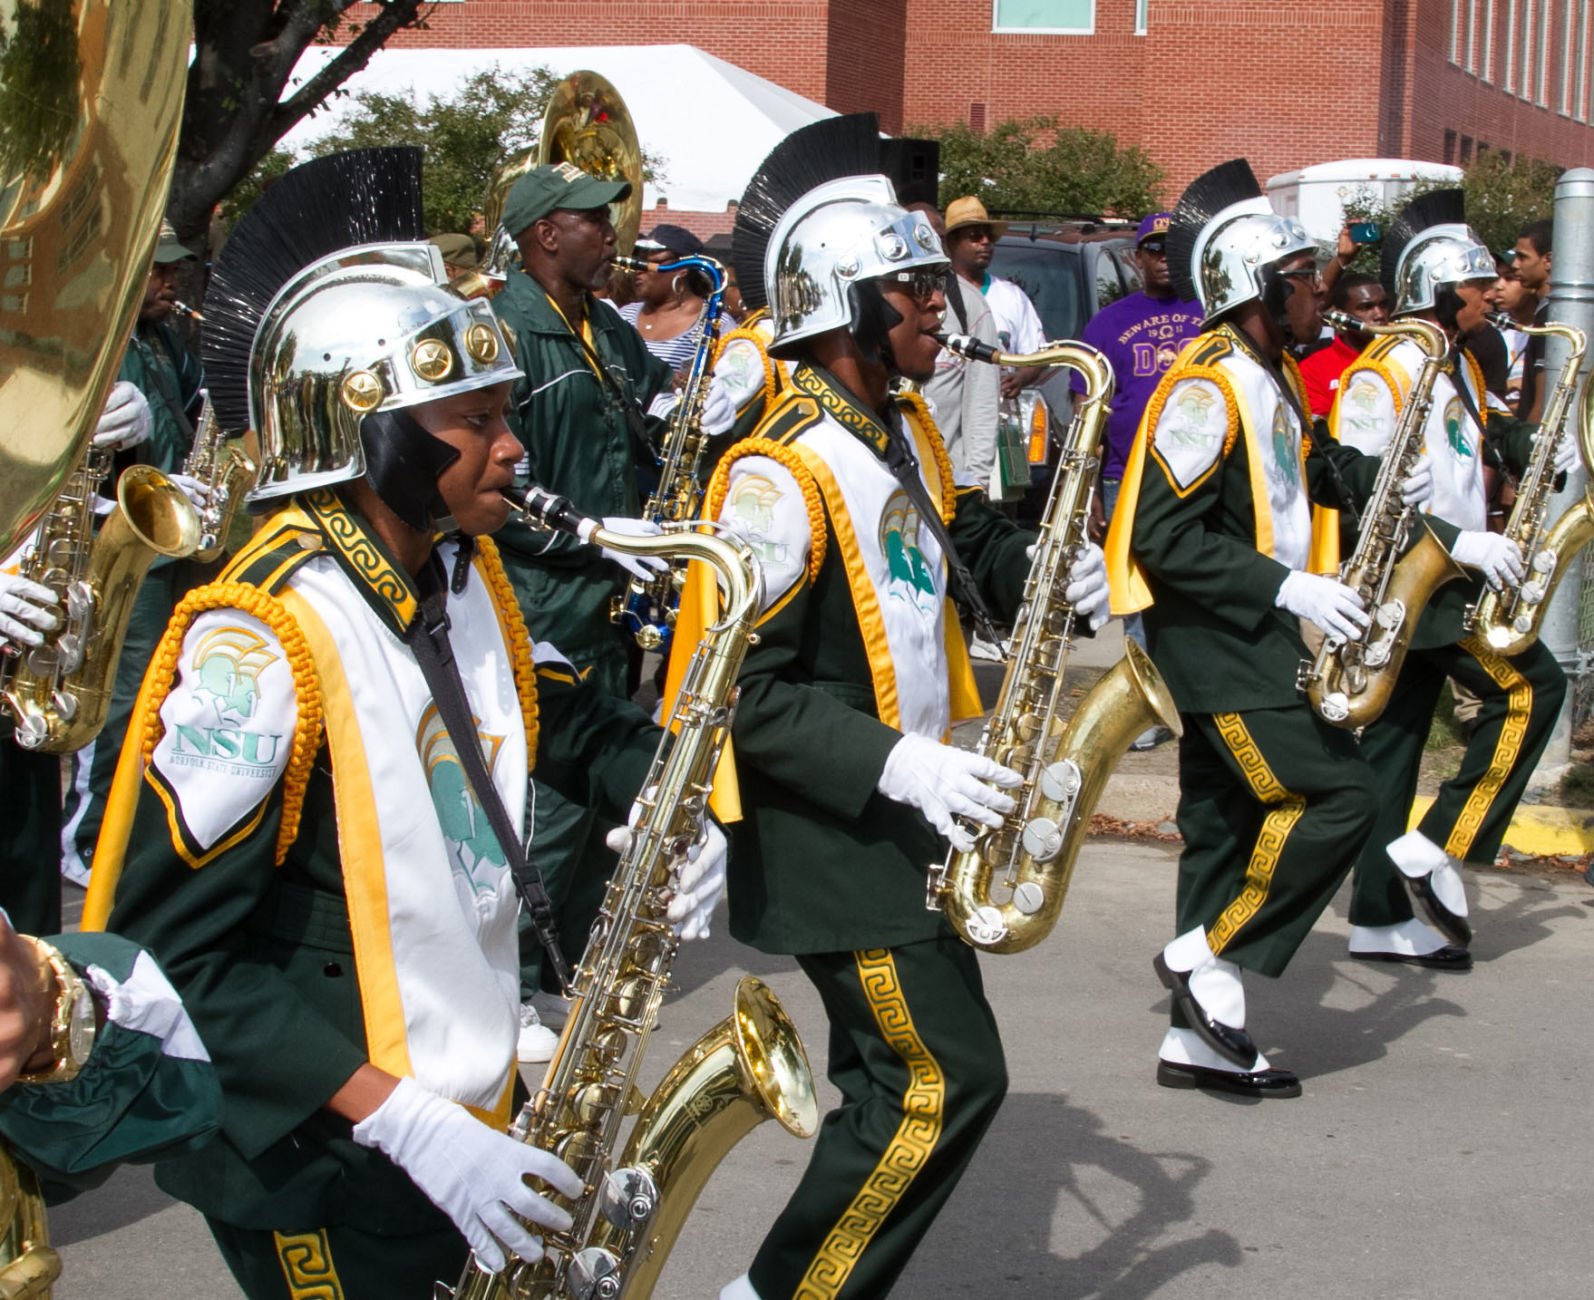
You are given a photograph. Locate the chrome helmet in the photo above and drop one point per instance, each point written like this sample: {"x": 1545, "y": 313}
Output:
{"x": 1441, "y": 255}
{"x": 835, "y": 236}
{"x": 363, "y": 331}
{"x": 1236, "y": 247}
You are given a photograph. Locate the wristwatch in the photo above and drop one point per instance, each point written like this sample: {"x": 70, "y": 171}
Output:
{"x": 72, "y": 1025}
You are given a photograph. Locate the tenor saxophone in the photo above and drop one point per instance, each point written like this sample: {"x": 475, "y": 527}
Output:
{"x": 1349, "y": 682}
{"x": 647, "y": 610}
{"x": 220, "y": 463}
{"x": 60, "y": 692}
{"x": 749, "y": 1068}
{"x": 1509, "y": 619}
{"x": 1030, "y": 857}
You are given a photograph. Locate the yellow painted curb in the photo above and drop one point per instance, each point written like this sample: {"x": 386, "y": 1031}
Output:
{"x": 1539, "y": 829}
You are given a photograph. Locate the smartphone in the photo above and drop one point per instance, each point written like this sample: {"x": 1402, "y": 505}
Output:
{"x": 1365, "y": 232}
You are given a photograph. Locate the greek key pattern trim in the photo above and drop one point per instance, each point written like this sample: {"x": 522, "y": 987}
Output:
{"x": 361, "y": 554}
{"x": 923, "y": 1106}
{"x": 1270, "y": 840}
{"x": 1507, "y": 746}
{"x": 306, "y": 1261}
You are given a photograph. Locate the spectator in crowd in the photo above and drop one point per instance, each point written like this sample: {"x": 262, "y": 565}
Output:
{"x": 1532, "y": 261}
{"x": 1356, "y": 294}
{"x": 1509, "y": 295}
{"x": 1140, "y": 335}
{"x": 669, "y": 308}
{"x": 970, "y": 243}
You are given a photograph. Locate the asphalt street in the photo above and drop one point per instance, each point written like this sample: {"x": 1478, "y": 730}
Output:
{"x": 1442, "y": 1146}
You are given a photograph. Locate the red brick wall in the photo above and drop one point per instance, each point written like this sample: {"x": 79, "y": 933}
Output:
{"x": 1282, "y": 84}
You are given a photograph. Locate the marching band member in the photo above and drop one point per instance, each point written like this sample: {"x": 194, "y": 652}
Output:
{"x": 1436, "y": 268}
{"x": 845, "y": 776}
{"x": 1212, "y": 539}
{"x": 305, "y": 825}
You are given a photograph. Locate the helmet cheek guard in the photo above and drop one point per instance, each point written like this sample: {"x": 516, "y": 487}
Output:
{"x": 873, "y": 319}
{"x": 403, "y": 463}
{"x": 1446, "y": 306}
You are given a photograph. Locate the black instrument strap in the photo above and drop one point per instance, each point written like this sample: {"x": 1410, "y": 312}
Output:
{"x": 428, "y": 639}
{"x": 629, "y": 409}
{"x": 954, "y": 300}
{"x": 904, "y": 467}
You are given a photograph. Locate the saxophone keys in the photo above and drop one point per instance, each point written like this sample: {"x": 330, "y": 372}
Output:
{"x": 629, "y": 1197}
{"x": 1544, "y": 562}
{"x": 1061, "y": 781}
{"x": 1532, "y": 592}
{"x": 1043, "y": 841}
{"x": 1390, "y": 615}
{"x": 985, "y": 926}
{"x": 594, "y": 1274}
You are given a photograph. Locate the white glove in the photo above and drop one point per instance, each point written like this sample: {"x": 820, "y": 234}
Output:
{"x": 638, "y": 566}
{"x": 719, "y": 409}
{"x": 125, "y": 422}
{"x": 472, "y": 1173}
{"x": 1328, "y": 602}
{"x": 1565, "y": 452}
{"x": 1087, "y": 586}
{"x": 26, "y": 611}
{"x": 1416, "y": 489}
{"x": 1494, "y": 553}
{"x": 198, "y": 493}
{"x": 700, "y": 878}
{"x": 944, "y": 783}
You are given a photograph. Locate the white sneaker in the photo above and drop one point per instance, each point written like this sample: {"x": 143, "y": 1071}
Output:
{"x": 1150, "y": 738}
{"x": 553, "y": 1009}
{"x": 537, "y": 1041}
{"x": 980, "y": 648}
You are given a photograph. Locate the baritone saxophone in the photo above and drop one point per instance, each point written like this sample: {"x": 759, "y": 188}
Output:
{"x": 1005, "y": 894}
{"x": 749, "y": 1068}
{"x": 1348, "y": 683}
{"x": 1509, "y": 620}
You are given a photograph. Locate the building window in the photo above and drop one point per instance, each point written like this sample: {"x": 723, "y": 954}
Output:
{"x": 1581, "y": 110}
{"x": 1464, "y": 158}
{"x": 1568, "y": 45}
{"x": 1140, "y": 16}
{"x": 1472, "y": 35}
{"x": 1529, "y": 29}
{"x": 1455, "y": 31}
{"x": 1542, "y": 77}
{"x": 1056, "y": 17}
{"x": 1486, "y": 70}
{"x": 1450, "y": 148}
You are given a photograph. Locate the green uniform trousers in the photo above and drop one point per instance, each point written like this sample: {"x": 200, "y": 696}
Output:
{"x": 30, "y": 863}
{"x": 1521, "y": 698}
{"x": 94, "y": 765}
{"x": 915, "y": 1051}
{"x": 567, "y": 848}
{"x": 340, "y": 1263}
{"x": 1274, "y": 806}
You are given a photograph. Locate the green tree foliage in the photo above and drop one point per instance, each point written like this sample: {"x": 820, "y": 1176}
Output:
{"x": 491, "y": 116}
{"x": 1502, "y": 196}
{"x": 1033, "y": 165}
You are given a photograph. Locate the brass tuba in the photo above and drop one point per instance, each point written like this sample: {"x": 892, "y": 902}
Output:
{"x": 587, "y": 124}
{"x": 83, "y": 182}
{"x": 1065, "y": 767}
{"x": 1509, "y": 620}
{"x": 749, "y": 1068}
{"x": 1349, "y": 682}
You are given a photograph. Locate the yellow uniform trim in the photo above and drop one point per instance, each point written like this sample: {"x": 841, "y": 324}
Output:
{"x": 512, "y": 624}
{"x": 1507, "y": 746}
{"x": 1287, "y": 808}
{"x": 306, "y": 1259}
{"x": 360, "y": 849}
{"x": 911, "y": 1146}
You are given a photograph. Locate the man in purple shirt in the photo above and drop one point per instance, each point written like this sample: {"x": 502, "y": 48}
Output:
{"x": 1139, "y": 335}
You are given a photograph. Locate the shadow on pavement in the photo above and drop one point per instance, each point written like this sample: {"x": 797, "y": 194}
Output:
{"x": 1125, "y": 1206}
{"x": 128, "y": 1197}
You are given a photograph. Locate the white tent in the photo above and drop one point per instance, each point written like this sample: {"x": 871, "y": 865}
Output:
{"x": 708, "y": 120}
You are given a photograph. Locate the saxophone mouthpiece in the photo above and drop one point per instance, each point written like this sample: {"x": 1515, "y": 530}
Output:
{"x": 630, "y": 263}
{"x": 183, "y": 309}
{"x": 550, "y": 510}
{"x": 1501, "y": 320}
{"x": 967, "y": 346}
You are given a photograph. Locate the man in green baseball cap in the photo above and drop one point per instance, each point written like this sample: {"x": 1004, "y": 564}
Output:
{"x": 589, "y": 413}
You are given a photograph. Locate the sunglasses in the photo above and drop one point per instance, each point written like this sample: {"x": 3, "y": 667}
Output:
{"x": 921, "y": 282}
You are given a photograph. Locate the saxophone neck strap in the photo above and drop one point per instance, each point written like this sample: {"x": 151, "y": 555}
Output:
{"x": 428, "y": 640}
{"x": 904, "y": 467}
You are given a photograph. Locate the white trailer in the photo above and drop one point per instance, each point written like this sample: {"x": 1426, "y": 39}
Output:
{"x": 1317, "y": 195}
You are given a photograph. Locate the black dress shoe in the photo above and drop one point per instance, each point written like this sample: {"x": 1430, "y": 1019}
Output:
{"x": 1453, "y": 927}
{"x": 1449, "y": 957}
{"x": 1230, "y": 1043}
{"x": 1254, "y": 1083}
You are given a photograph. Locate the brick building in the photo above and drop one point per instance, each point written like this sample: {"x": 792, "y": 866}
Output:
{"x": 1191, "y": 82}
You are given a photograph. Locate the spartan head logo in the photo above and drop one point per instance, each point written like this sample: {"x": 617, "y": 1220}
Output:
{"x": 1192, "y": 410}
{"x": 1284, "y": 454}
{"x": 909, "y": 574}
{"x": 752, "y": 508}
{"x": 1456, "y": 429}
{"x": 462, "y": 818}
{"x": 227, "y": 664}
